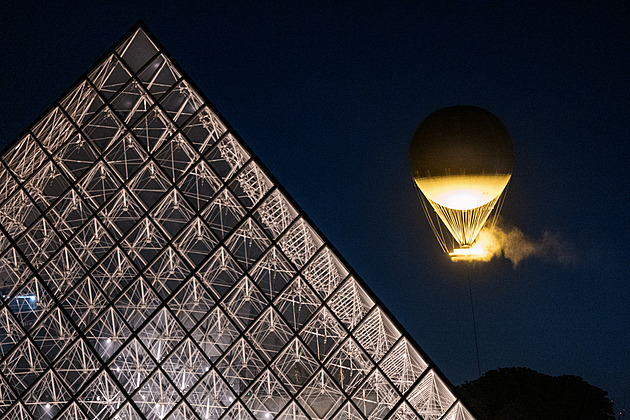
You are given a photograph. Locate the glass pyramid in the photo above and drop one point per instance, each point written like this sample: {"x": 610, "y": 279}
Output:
{"x": 151, "y": 268}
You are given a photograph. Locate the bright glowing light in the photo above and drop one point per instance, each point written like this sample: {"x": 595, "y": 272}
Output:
{"x": 109, "y": 340}
{"x": 474, "y": 253}
{"x": 47, "y": 406}
{"x": 463, "y": 192}
{"x": 473, "y": 250}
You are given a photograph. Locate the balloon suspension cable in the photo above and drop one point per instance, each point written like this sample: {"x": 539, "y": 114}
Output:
{"x": 472, "y": 309}
{"x": 499, "y": 206}
{"x": 464, "y": 225}
{"x": 437, "y": 230}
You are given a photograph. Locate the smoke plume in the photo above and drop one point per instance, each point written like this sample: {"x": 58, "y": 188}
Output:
{"x": 514, "y": 245}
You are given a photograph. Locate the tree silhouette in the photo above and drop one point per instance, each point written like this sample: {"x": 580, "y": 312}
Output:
{"x": 524, "y": 394}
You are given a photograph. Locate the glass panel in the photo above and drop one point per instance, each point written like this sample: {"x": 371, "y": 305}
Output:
{"x": 104, "y": 129}
{"x": 322, "y": 333}
{"x": 18, "y": 213}
{"x": 172, "y": 213}
{"x": 191, "y": 303}
{"x": 161, "y": 334}
{"x": 62, "y": 272}
{"x": 244, "y": 303}
{"x": 204, "y": 129}
{"x": 266, "y": 397}
{"x": 220, "y": 272}
{"x": 53, "y": 334}
{"x": 47, "y": 185}
{"x": 85, "y": 302}
{"x": 132, "y": 365}
{"x": 77, "y": 365}
{"x": 167, "y": 272}
{"x": 297, "y": 302}
{"x": 211, "y": 397}
{"x": 23, "y": 366}
{"x": 239, "y": 366}
{"x": 321, "y": 397}
{"x": 108, "y": 333}
{"x": 269, "y": 333}
{"x": 159, "y": 76}
{"x": 181, "y": 102}
{"x": 377, "y": 334}
{"x": 101, "y": 398}
{"x": 24, "y": 157}
{"x": 7, "y": 183}
{"x": 325, "y": 271}
{"x": 227, "y": 157}
{"x": 300, "y": 243}
{"x": 186, "y": 366}
{"x": 176, "y": 157}
{"x": 126, "y": 156}
{"x": 275, "y": 214}
{"x": 196, "y": 242}
{"x": 223, "y": 213}
{"x": 153, "y": 129}
{"x": 199, "y": 185}
{"x": 248, "y": 242}
{"x": 131, "y": 103}
{"x": 53, "y": 130}
{"x": 81, "y": 103}
{"x": 350, "y": 303}
{"x": 215, "y": 334}
{"x": 250, "y": 185}
{"x": 137, "y": 303}
{"x": 76, "y": 156}
{"x": 109, "y": 76}
{"x": 272, "y": 272}
{"x": 295, "y": 365}
{"x": 47, "y": 396}
{"x": 349, "y": 365}
{"x": 149, "y": 184}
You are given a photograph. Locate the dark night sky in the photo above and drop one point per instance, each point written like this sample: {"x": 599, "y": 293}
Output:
{"x": 328, "y": 94}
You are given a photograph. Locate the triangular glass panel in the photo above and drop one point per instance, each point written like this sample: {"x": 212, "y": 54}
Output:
{"x": 137, "y": 50}
{"x": 159, "y": 75}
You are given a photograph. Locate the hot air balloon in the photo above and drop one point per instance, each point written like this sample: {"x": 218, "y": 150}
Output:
{"x": 461, "y": 160}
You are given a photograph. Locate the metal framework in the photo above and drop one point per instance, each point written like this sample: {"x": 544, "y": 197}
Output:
{"x": 150, "y": 268}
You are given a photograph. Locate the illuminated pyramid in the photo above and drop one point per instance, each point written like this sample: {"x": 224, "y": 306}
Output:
{"x": 150, "y": 268}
